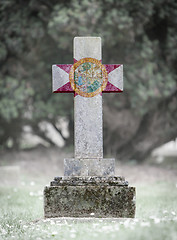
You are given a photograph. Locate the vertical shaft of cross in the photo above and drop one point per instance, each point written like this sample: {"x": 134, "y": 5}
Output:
{"x": 88, "y": 111}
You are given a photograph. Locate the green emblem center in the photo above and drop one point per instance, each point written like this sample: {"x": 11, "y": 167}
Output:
{"x": 88, "y": 77}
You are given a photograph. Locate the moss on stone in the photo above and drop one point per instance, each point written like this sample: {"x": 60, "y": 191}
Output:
{"x": 81, "y": 201}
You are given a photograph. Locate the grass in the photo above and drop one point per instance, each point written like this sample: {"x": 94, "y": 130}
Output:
{"x": 21, "y": 216}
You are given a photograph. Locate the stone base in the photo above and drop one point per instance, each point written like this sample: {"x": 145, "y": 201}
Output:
{"x": 89, "y": 197}
{"x": 89, "y": 167}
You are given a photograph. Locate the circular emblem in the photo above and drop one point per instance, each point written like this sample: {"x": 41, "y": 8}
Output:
{"x": 88, "y": 77}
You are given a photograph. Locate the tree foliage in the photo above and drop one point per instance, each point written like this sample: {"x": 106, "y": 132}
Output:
{"x": 140, "y": 34}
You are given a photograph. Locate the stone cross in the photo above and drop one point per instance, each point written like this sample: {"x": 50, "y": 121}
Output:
{"x": 89, "y": 187}
{"x": 88, "y": 78}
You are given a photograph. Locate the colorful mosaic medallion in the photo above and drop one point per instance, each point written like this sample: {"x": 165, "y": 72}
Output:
{"x": 88, "y": 77}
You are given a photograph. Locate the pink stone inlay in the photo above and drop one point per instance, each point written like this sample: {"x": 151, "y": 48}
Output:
{"x": 111, "y": 67}
{"x": 65, "y": 67}
{"x": 111, "y": 88}
{"x": 65, "y": 88}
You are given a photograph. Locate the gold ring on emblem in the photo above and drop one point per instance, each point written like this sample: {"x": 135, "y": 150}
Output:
{"x": 104, "y": 76}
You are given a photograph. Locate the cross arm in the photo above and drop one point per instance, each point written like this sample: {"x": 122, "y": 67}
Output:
{"x": 115, "y": 78}
{"x": 60, "y": 78}
{"x": 61, "y": 83}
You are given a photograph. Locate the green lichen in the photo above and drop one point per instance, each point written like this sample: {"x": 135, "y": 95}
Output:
{"x": 81, "y": 201}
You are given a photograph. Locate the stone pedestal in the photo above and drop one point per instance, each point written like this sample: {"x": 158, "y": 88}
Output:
{"x": 89, "y": 197}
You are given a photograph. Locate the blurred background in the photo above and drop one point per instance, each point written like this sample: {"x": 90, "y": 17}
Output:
{"x": 141, "y": 35}
{"x": 36, "y": 125}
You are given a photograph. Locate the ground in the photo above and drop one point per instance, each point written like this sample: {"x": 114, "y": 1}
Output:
{"x": 24, "y": 174}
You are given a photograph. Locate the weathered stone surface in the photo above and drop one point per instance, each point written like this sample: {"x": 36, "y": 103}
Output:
{"x": 96, "y": 192}
{"x": 88, "y": 127}
{"x": 88, "y": 111}
{"x": 73, "y": 220}
{"x": 89, "y": 167}
{"x": 85, "y": 181}
{"x": 90, "y": 200}
{"x": 87, "y": 47}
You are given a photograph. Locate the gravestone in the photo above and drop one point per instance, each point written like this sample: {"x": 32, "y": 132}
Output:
{"x": 89, "y": 187}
